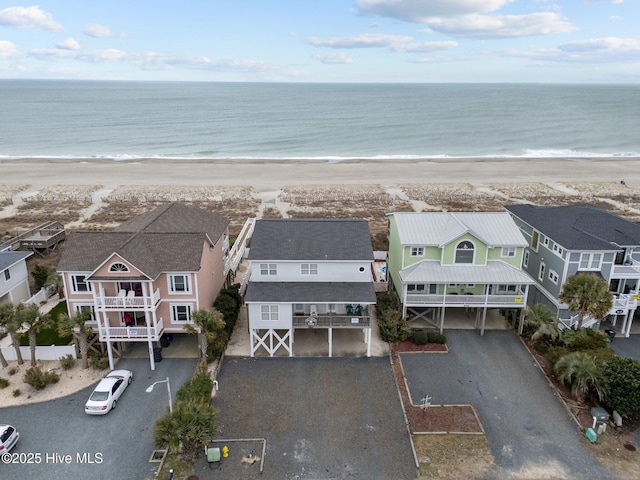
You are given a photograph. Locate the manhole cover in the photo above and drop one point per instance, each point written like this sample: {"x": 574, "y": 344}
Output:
{"x": 631, "y": 448}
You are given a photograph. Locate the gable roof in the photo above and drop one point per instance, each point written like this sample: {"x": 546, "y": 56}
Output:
{"x": 440, "y": 228}
{"x": 169, "y": 238}
{"x": 311, "y": 239}
{"x": 579, "y": 227}
{"x": 8, "y": 259}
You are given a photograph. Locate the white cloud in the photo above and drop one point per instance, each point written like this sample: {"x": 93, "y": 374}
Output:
{"x": 43, "y": 53}
{"x": 334, "y": 58}
{"x": 426, "y": 47}
{"x": 366, "y": 40}
{"x": 101, "y": 31}
{"x": 26, "y": 17}
{"x": 418, "y": 10}
{"x": 69, "y": 44}
{"x": 595, "y": 1}
{"x": 506, "y": 26}
{"x": 8, "y": 50}
{"x": 597, "y": 50}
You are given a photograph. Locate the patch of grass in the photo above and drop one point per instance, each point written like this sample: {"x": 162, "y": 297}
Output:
{"x": 173, "y": 460}
{"x": 453, "y": 456}
{"x": 50, "y": 336}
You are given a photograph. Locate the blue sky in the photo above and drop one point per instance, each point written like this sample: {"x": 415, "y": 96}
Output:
{"x": 576, "y": 41}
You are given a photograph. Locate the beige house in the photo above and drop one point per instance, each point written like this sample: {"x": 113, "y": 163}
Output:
{"x": 147, "y": 276}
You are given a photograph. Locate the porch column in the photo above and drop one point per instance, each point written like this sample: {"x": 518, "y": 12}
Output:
{"x": 521, "y": 321}
{"x": 484, "y": 318}
{"x": 442, "y": 309}
{"x": 151, "y": 359}
{"x": 368, "y": 334}
{"x": 629, "y": 315}
{"x": 330, "y": 330}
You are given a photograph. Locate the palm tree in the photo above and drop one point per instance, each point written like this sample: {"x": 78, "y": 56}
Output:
{"x": 584, "y": 373}
{"x": 76, "y": 325}
{"x": 212, "y": 334}
{"x": 587, "y": 294}
{"x": 192, "y": 425}
{"x": 55, "y": 280}
{"x": 9, "y": 321}
{"x": 34, "y": 322}
{"x": 543, "y": 320}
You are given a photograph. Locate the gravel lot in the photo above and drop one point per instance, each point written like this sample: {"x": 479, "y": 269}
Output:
{"x": 322, "y": 418}
{"x": 530, "y": 433}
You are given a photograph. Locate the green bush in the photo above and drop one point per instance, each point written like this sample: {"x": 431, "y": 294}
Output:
{"x": 623, "y": 379}
{"x": 17, "y": 392}
{"x": 40, "y": 274}
{"x": 393, "y": 328}
{"x": 198, "y": 388}
{"x": 67, "y": 362}
{"x": 38, "y": 379}
{"x": 555, "y": 353}
{"x": 99, "y": 362}
{"x": 234, "y": 292}
{"x": 420, "y": 337}
{"x": 228, "y": 307}
{"x": 584, "y": 339}
{"x": 437, "y": 337}
{"x": 4, "y": 383}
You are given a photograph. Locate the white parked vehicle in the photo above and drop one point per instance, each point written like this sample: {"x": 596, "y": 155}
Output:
{"x": 106, "y": 394}
{"x": 8, "y": 438}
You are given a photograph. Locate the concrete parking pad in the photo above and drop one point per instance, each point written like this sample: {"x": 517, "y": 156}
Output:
{"x": 530, "y": 433}
{"x": 627, "y": 347}
{"x": 322, "y": 418}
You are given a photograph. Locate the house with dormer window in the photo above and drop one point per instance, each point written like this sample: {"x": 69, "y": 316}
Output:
{"x": 444, "y": 260}
{"x": 563, "y": 241}
{"x": 147, "y": 276}
{"x": 308, "y": 274}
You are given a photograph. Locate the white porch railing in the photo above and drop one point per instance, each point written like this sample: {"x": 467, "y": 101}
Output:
{"x": 237, "y": 250}
{"x": 132, "y": 334}
{"x": 571, "y": 322}
{"x": 631, "y": 268}
{"x": 622, "y": 303}
{"x": 124, "y": 302}
{"x": 435, "y": 300}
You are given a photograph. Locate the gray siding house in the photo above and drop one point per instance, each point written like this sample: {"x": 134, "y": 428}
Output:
{"x": 566, "y": 240}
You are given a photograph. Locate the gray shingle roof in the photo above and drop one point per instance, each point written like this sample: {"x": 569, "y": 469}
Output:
{"x": 10, "y": 258}
{"x": 167, "y": 239}
{"x": 311, "y": 292}
{"x": 579, "y": 227}
{"x": 311, "y": 239}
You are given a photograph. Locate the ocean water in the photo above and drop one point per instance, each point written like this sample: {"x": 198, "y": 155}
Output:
{"x": 332, "y": 122}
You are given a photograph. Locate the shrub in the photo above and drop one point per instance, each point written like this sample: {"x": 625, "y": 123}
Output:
{"x": 67, "y": 362}
{"x": 4, "y": 383}
{"x": 393, "y": 328}
{"x": 556, "y": 353}
{"x": 437, "y": 337}
{"x": 420, "y": 337}
{"x": 623, "y": 378}
{"x": 12, "y": 371}
{"x": 228, "y": 307}
{"x": 198, "y": 388}
{"x": 584, "y": 339}
{"x": 17, "y": 392}
{"x": 234, "y": 292}
{"x": 38, "y": 379}
{"x": 99, "y": 362}
{"x": 40, "y": 274}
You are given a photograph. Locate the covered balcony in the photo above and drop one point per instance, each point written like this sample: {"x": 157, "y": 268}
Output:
{"x": 131, "y": 334}
{"x": 507, "y": 300}
{"x": 127, "y": 300}
{"x": 357, "y": 318}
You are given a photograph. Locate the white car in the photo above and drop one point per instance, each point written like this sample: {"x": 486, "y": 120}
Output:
{"x": 106, "y": 394}
{"x": 8, "y": 438}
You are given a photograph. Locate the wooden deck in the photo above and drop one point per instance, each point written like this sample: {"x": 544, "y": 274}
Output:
{"x": 41, "y": 239}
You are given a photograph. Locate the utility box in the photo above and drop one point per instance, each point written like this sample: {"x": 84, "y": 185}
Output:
{"x": 599, "y": 415}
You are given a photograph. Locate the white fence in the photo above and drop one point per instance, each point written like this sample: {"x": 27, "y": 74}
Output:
{"x": 42, "y": 296}
{"x": 54, "y": 352}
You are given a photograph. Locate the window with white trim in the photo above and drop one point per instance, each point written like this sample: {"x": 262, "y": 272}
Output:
{"x": 7, "y": 275}
{"x": 464, "y": 252}
{"x": 268, "y": 269}
{"x": 557, "y": 249}
{"x": 525, "y": 259}
{"x": 86, "y": 308}
{"x": 534, "y": 240}
{"x": 179, "y": 283}
{"x": 181, "y": 313}
{"x": 269, "y": 313}
{"x": 507, "y": 288}
{"x": 417, "y": 251}
{"x": 553, "y": 276}
{"x": 545, "y": 241}
{"x": 309, "y": 269}
{"x": 118, "y": 267}
{"x": 541, "y": 271}
{"x": 508, "y": 252}
{"x": 79, "y": 284}
{"x": 590, "y": 261}
{"x": 416, "y": 288}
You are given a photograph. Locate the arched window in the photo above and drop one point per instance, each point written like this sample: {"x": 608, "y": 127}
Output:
{"x": 118, "y": 267}
{"x": 464, "y": 252}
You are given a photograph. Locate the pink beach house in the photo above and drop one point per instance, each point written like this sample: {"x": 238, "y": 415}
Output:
{"x": 147, "y": 276}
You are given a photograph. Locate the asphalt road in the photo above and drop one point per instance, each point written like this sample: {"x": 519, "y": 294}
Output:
{"x": 627, "y": 347}
{"x": 73, "y": 445}
{"x": 530, "y": 433}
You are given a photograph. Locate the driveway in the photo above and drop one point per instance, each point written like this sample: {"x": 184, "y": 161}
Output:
{"x": 122, "y": 438}
{"x": 322, "y": 418}
{"x": 530, "y": 433}
{"x": 627, "y": 347}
